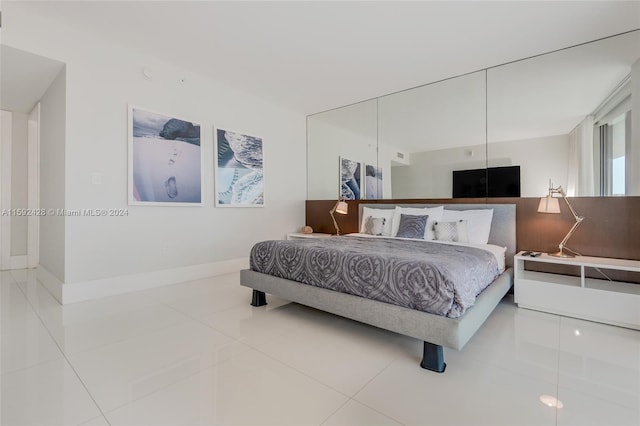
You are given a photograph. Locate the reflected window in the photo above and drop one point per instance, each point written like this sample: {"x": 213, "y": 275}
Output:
{"x": 614, "y": 139}
{"x": 613, "y": 129}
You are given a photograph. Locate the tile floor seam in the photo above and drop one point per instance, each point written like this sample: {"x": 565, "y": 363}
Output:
{"x": 64, "y": 356}
{"x": 377, "y": 374}
{"x": 558, "y": 367}
{"x": 329, "y": 386}
{"x": 336, "y": 410}
{"x": 367, "y": 384}
{"x": 200, "y": 320}
{"x": 6, "y": 373}
{"x": 165, "y": 386}
{"x": 302, "y": 372}
{"x": 125, "y": 339}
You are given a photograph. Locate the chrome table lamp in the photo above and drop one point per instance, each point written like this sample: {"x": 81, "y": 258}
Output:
{"x": 549, "y": 204}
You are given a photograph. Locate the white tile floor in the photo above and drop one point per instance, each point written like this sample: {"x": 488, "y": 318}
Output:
{"x": 197, "y": 353}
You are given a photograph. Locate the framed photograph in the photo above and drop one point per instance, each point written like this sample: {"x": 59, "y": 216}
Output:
{"x": 372, "y": 182}
{"x": 350, "y": 179}
{"x": 165, "y": 160}
{"x": 239, "y": 170}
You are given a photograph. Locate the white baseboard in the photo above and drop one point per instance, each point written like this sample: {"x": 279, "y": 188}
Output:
{"x": 50, "y": 282}
{"x": 19, "y": 262}
{"x": 94, "y": 289}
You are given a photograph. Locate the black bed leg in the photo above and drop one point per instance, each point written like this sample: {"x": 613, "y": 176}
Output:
{"x": 433, "y": 358}
{"x": 258, "y": 298}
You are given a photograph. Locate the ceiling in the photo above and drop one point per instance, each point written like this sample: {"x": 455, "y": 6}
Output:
{"x": 314, "y": 56}
{"x": 24, "y": 78}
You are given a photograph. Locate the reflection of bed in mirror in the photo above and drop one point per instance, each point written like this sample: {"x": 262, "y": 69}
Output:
{"x": 413, "y": 291}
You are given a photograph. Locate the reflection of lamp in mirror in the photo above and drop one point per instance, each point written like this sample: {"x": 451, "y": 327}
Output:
{"x": 341, "y": 207}
{"x": 549, "y": 204}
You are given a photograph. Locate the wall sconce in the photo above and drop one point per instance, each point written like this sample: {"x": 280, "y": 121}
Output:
{"x": 341, "y": 207}
{"x": 549, "y": 204}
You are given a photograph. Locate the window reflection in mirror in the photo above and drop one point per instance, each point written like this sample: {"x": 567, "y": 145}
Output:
{"x": 565, "y": 116}
{"x": 615, "y": 140}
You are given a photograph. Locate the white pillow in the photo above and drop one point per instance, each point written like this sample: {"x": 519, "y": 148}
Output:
{"x": 434, "y": 213}
{"x": 374, "y": 225}
{"x": 386, "y": 214}
{"x": 478, "y": 223}
{"x": 451, "y": 231}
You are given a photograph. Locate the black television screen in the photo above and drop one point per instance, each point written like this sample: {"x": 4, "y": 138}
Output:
{"x": 491, "y": 182}
{"x": 504, "y": 181}
{"x": 470, "y": 183}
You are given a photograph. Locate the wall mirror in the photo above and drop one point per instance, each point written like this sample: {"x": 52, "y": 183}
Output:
{"x": 343, "y": 136}
{"x": 565, "y": 116}
{"x": 406, "y": 144}
{"x": 435, "y": 129}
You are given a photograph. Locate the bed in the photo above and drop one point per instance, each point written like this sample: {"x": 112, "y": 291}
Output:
{"x": 438, "y": 327}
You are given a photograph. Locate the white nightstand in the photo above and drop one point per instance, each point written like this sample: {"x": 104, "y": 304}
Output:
{"x": 300, "y": 235}
{"x": 601, "y": 300}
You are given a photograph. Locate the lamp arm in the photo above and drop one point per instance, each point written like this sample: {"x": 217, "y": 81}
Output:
{"x": 577, "y": 218}
{"x": 566, "y": 238}
{"x": 331, "y": 212}
{"x": 573, "y": 212}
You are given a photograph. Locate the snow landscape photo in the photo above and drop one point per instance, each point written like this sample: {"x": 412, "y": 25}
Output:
{"x": 165, "y": 167}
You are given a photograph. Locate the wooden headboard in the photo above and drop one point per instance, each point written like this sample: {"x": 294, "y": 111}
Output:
{"x": 611, "y": 227}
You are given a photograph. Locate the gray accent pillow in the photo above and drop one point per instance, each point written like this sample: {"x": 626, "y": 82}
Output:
{"x": 374, "y": 225}
{"x": 412, "y": 226}
{"x": 451, "y": 231}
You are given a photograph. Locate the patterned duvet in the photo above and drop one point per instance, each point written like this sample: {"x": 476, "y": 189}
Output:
{"x": 431, "y": 277}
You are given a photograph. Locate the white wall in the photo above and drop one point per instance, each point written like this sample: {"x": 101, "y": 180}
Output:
{"x": 540, "y": 159}
{"x": 19, "y": 183}
{"x": 101, "y": 80}
{"x": 429, "y": 174}
{"x": 52, "y": 176}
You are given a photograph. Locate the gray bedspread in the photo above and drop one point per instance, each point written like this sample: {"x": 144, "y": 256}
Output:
{"x": 432, "y": 277}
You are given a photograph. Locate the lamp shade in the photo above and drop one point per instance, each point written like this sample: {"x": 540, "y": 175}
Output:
{"x": 548, "y": 205}
{"x": 342, "y": 207}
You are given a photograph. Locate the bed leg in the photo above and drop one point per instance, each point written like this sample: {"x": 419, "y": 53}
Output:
{"x": 258, "y": 298}
{"x": 433, "y": 358}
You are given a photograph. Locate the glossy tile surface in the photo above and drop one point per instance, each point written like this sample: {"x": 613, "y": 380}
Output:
{"x": 355, "y": 414}
{"x": 599, "y": 374}
{"x": 25, "y": 341}
{"x": 197, "y": 353}
{"x": 47, "y": 394}
{"x": 250, "y": 389}
{"x": 125, "y": 371}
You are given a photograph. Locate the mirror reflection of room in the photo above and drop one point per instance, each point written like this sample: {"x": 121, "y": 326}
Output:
{"x": 564, "y": 116}
{"x": 440, "y": 127}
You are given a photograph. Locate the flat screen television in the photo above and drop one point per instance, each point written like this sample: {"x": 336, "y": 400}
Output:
{"x": 490, "y": 182}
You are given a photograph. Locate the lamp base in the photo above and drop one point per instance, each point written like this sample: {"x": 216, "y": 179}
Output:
{"x": 561, "y": 254}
